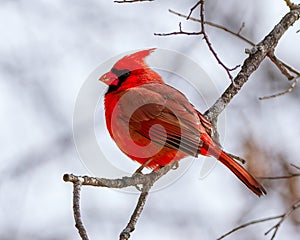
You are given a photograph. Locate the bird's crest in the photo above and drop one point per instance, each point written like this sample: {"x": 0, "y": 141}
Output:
{"x": 134, "y": 61}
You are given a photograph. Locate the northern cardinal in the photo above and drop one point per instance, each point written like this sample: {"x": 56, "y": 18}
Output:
{"x": 155, "y": 124}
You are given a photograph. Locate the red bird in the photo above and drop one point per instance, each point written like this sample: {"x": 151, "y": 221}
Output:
{"x": 155, "y": 124}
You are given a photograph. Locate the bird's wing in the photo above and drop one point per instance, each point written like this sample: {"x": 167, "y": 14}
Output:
{"x": 162, "y": 114}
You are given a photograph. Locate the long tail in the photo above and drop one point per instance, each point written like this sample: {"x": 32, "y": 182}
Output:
{"x": 237, "y": 169}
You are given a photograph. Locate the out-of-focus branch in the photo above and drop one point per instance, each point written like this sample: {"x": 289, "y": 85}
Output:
{"x": 132, "y": 1}
{"x": 280, "y": 65}
{"x": 282, "y": 218}
{"x": 291, "y": 5}
{"x": 248, "y": 224}
{"x": 291, "y": 175}
{"x": 295, "y": 166}
{"x": 290, "y": 89}
{"x": 281, "y": 177}
{"x": 146, "y": 180}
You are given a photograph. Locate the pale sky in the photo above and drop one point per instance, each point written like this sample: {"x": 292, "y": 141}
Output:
{"x": 48, "y": 50}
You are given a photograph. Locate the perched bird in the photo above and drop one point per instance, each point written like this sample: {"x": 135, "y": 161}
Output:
{"x": 154, "y": 123}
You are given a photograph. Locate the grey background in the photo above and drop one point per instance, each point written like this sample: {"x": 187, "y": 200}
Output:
{"x": 47, "y": 51}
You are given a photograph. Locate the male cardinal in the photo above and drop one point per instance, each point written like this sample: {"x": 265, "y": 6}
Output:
{"x": 155, "y": 124}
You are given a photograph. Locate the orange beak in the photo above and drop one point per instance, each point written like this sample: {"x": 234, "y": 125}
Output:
{"x": 108, "y": 78}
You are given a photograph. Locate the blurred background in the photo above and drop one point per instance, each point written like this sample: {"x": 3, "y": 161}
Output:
{"x": 47, "y": 51}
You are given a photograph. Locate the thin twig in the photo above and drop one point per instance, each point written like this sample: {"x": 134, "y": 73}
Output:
{"x": 293, "y": 165}
{"x": 241, "y": 28}
{"x": 180, "y": 32}
{"x": 253, "y": 61}
{"x": 238, "y": 35}
{"x": 291, "y": 175}
{"x": 282, "y": 217}
{"x": 205, "y": 36}
{"x": 215, "y": 25}
{"x": 290, "y": 89}
{"x": 281, "y": 177}
{"x": 248, "y": 224}
{"x": 76, "y": 209}
{"x": 243, "y": 161}
{"x": 132, "y": 1}
{"x": 280, "y": 66}
{"x": 202, "y": 32}
{"x": 193, "y": 9}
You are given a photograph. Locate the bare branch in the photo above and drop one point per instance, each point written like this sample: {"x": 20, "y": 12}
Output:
{"x": 215, "y": 25}
{"x": 290, "y": 4}
{"x": 202, "y": 32}
{"x": 180, "y": 32}
{"x": 280, "y": 64}
{"x": 76, "y": 209}
{"x": 290, "y": 89}
{"x": 125, "y": 234}
{"x": 193, "y": 9}
{"x": 282, "y": 218}
{"x": 293, "y": 165}
{"x": 281, "y": 177}
{"x": 146, "y": 180}
{"x": 241, "y": 28}
{"x": 124, "y": 182}
{"x": 248, "y": 224}
{"x": 291, "y": 175}
{"x": 205, "y": 36}
{"x": 132, "y": 1}
{"x": 266, "y": 46}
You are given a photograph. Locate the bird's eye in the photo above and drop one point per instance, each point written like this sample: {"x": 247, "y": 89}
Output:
{"x": 126, "y": 73}
{"x": 121, "y": 74}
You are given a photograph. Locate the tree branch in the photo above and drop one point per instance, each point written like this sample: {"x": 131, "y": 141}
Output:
{"x": 146, "y": 180}
{"x": 291, "y": 175}
{"x": 180, "y": 32}
{"x": 76, "y": 209}
{"x": 132, "y": 1}
{"x": 282, "y": 218}
{"x": 290, "y": 89}
{"x": 205, "y": 36}
{"x": 125, "y": 234}
{"x": 282, "y": 66}
{"x": 193, "y": 9}
{"x": 248, "y": 224}
{"x": 257, "y": 55}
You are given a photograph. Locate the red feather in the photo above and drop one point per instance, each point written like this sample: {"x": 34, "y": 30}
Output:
{"x": 155, "y": 124}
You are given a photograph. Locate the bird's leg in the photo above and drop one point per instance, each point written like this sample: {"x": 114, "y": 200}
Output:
{"x": 176, "y": 165}
{"x": 140, "y": 169}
